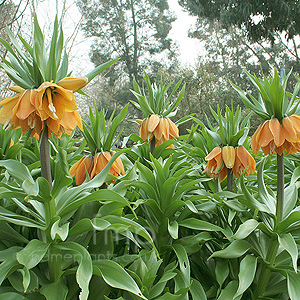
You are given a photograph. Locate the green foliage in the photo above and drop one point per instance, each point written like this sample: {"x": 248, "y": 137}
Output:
{"x": 157, "y": 101}
{"x": 275, "y": 16}
{"x": 273, "y": 99}
{"x": 99, "y": 135}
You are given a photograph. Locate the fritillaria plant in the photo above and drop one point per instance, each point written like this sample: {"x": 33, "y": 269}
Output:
{"x": 157, "y": 107}
{"x": 229, "y": 156}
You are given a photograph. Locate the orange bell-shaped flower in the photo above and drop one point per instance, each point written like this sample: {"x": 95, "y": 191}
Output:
{"x": 102, "y": 159}
{"x": 161, "y": 129}
{"x": 271, "y": 136}
{"x": 215, "y": 166}
{"x": 81, "y": 168}
{"x": 243, "y": 162}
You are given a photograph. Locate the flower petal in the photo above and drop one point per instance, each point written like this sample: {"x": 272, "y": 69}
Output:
{"x": 289, "y": 130}
{"x": 277, "y": 131}
{"x": 153, "y": 122}
{"x": 73, "y": 83}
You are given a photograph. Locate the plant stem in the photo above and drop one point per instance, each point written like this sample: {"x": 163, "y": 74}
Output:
{"x": 152, "y": 145}
{"x": 45, "y": 155}
{"x": 54, "y": 263}
{"x": 280, "y": 187}
{"x": 265, "y": 274}
{"x": 54, "y": 255}
{"x": 229, "y": 180}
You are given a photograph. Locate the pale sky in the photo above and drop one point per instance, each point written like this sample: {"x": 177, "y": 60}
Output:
{"x": 189, "y": 48}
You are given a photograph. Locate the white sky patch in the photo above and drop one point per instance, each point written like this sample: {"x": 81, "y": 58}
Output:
{"x": 189, "y": 48}
{"x": 79, "y": 45}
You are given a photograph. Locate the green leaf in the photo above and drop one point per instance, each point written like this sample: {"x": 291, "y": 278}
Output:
{"x": 32, "y": 254}
{"x": 113, "y": 128}
{"x": 19, "y": 219}
{"x": 265, "y": 197}
{"x": 85, "y": 268}
{"x": 115, "y": 276}
{"x": 197, "y": 224}
{"x": 293, "y": 284}
{"x": 246, "y": 274}
{"x": 229, "y": 291}
{"x": 245, "y": 229}
{"x": 184, "y": 263}
{"x": 12, "y": 296}
{"x": 221, "y": 271}
{"x": 85, "y": 225}
{"x": 236, "y": 249}
{"x": 288, "y": 243}
{"x": 291, "y": 219}
{"x": 197, "y": 290}
{"x": 62, "y": 176}
{"x": 7, "y": 267}
{"x": 17, "y": 170}
{"x": 173, "y": 229}
{"x": 290, "y": 198}
{"x": 100, "y": 68}
{"x": 55, "y": 291}
{"x": 60, "y": 232}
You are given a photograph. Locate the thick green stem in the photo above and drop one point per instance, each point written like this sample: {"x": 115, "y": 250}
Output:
{"x": 265, "y": 274}
{"x": 280, "y": 187}
{"x": 54, "y": 263}
{"x": 54, "y": 255}
{"x": 45, "y": 155}
{"x": 229, "y": 180}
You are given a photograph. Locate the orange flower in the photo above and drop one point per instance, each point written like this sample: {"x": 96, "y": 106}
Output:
{"x": 57, "y": 105}
{"x": 220, "y": 160}
{"x": 271, "y": 136}
{"x": 102, "y": 159}
{"x": 162, "y": 129}
{"x": 51, "y": 102}
{"x": 20, "y": 112}
{"x": 81, "y": 168}
{"x": 243, "y": 161}
{"x": 215, "y": 165}
{"x": 73, "y": 83}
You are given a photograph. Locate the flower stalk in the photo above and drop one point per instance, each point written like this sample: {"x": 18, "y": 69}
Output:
{"x": 280, "y": 187}
{"x": 45, "y": 155}
{"x": 229, "y": 180}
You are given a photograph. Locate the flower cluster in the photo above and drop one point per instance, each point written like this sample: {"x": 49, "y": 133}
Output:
{"x": 220, "y": 160}
{"x": 161, "y": 129}
{"x": 272, "y": 136}
{"x": 94, "y": 165}
{"x": 53, "y": 103}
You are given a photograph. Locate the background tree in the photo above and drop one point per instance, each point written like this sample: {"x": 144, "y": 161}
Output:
{"x": 134, "y": 30}
{"x": 281, "y": 16}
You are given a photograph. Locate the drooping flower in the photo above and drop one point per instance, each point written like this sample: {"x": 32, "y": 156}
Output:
{"x": 19, "y": 111}
{"x": 215, "y": 166}
{"x": 81, "y": 168}
{"x": 271, "y": 136}
{"x": 102, "y": 159}
{"x": 244, "y": 162}
{"x": 94, "y": 165}
{"x": 161, "y": 129}
{"x": 50, "y": 102}
{"x": 220, "y": 160}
